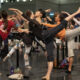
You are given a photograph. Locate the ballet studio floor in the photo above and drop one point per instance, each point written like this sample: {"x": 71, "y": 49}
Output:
{"x": 39, "y": 67}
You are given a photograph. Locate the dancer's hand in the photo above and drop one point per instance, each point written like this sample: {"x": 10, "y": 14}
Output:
{"x": 5, "y": 31}
{"x": 48, "y": 10}
{"x": 20, "y": 30}
{"x": 65, "y": 12}
{"x": 26, "y": 31}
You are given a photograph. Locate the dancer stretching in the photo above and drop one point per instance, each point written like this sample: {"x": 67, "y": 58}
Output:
{"x": 46, "y": 36}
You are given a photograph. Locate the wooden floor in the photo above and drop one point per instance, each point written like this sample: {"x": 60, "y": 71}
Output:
{"x": 39, "y": 67}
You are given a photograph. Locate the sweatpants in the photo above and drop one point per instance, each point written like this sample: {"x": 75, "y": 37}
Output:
{"x": 71, "y": 34}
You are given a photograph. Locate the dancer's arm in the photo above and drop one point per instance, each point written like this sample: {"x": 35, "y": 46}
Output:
{"x": 50, "y": 25}
{"x": 76, "y": 21}
{"x": 24, "y": 17}
{"x": 4, "y": 31}
{"x": 17, "y": 10}
{"x": 71, "y": 16}
{"x": 23, "y": 30}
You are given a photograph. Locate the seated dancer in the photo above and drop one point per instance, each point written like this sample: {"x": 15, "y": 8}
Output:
{"x": 46, "y": 35}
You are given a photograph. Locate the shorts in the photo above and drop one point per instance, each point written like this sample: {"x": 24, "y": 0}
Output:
{"x": 27, "y": 49}
{"x": 70, "y": 52}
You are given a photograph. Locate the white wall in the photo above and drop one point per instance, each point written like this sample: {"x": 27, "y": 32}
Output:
{"x": 66, "y": 5}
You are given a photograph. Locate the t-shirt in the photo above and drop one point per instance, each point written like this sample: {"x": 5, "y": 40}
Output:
{"x": 36, "y": 29}
{"x": 10, "y": 25}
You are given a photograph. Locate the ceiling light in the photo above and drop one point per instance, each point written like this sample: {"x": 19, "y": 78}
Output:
{"x": 24, "y": 0}
{"x": 6, "y": 1}
{"x": 18, "y": 0}
{"x": 30, "y": 0}
{"x": 1, "y": 1}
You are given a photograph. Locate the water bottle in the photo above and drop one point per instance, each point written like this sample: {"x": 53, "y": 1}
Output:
{"x": 12, "y": 70}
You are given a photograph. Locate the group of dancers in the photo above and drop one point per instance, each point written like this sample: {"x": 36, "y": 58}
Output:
{"x": 41, "y": 27}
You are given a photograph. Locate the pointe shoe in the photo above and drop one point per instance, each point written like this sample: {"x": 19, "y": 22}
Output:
{"x": 45, "y": 78}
